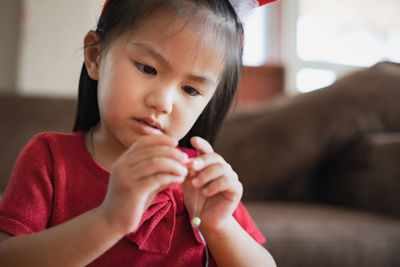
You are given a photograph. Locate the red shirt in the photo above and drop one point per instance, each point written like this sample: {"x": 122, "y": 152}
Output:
{"x": 55, "y": 179}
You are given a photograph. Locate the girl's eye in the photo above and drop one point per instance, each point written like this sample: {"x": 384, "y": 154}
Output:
{"x": 190, "y": 90}
{"x": 146, "y": 69}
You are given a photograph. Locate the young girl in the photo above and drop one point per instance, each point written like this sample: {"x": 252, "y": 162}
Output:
{"x": 118, "y": 191}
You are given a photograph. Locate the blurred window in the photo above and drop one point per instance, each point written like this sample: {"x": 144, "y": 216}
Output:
{"x": 357, "y": 33}
{"x": 338, "y": 36}
{"x": 308, "y": 79}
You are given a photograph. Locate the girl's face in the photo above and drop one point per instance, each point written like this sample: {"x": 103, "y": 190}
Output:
{"x": 156, "y": 81}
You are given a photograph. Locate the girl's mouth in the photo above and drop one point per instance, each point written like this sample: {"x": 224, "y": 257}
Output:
{"x": 147, "y": 124}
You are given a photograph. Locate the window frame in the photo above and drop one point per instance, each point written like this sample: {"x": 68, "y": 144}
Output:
{"x": 289, "y": 56}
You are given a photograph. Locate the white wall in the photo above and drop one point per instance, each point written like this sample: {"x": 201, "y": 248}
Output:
{"x": 9, "y": 29}
{"x": 51, "y": 41}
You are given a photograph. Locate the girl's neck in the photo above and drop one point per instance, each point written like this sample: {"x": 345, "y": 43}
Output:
{"x": 105, "y": 150}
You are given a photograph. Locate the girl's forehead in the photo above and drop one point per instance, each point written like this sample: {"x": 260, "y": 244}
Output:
{"x": 193, "y": 33}
{"x": 178, "y": 38}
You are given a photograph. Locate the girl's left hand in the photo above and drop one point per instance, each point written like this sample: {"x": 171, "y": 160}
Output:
{"x": 218, "y": 188}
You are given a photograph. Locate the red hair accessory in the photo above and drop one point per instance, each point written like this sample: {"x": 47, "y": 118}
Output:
{"x": 264, "y": 2}
{"x": 243, "y": 8}
{"x": 105, "y": 6}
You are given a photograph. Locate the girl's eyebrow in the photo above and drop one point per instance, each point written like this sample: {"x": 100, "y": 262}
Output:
{"x": 153, "y": 52}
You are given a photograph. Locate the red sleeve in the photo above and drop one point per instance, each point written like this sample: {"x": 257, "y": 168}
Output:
{"x": 27, "y": 202}
{"x": 243, "y": 218}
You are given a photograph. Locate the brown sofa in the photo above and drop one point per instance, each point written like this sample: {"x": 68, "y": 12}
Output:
{"x": 321, "y": 171}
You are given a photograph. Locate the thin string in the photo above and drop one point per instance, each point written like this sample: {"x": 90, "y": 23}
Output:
{"x": 91, "y": 151}
{"x": 196, "y": 196}
{"x": 196, "y": 215}
{"x": 205, "y": 247}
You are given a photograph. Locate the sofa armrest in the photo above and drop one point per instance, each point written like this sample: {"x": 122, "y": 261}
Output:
{"x": 365, "y": 175}
{"x": 23, "y": 117}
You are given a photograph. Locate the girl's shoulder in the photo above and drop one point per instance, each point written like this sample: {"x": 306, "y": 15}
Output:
{"x": 57, "y": 139}
{"x": 50, "y": 150}
{"x": 57, "y": 136}
{"x": 52, "y": 144}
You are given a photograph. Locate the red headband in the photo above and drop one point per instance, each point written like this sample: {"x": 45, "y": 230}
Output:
{"x": 105, "y": 6}
{"x": 260, "y": 3}
{"x": 264, "y": 2}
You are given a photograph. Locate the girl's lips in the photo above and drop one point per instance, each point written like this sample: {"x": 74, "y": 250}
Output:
{"x": 143, "y": 127}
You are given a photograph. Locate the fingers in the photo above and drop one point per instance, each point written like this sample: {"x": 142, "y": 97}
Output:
{"x": 154, "y": 140}
{"x": 156, "y": 165}
{"x": 228, "y": 185}
{"x": 199, "y": 163}
{"x": 159, "y": 151}
{"x": 150, "y": 155}
{"x": 231, "y": 188}
{"x": 207, "y": 174}
{"x": 201, "y": 145}
{"x": 160, "y": 181}
{"x": 150, "y": 166}
{"x": 213, "y": 174}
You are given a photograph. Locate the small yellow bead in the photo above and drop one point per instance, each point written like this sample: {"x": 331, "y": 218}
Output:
{"x": 196, "y": 222}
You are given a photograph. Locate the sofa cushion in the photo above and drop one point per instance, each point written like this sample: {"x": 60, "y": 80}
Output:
{"x": 322, "y": 235}
{"x": 365, "y": 175}
{"x": 277, "y": 150}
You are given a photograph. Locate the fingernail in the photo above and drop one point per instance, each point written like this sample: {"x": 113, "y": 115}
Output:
{"x": 183, "y": 171}
{"x": 185, "y": 157}
{"x": 195, "y": 181}
{"x": 196, "y": 163}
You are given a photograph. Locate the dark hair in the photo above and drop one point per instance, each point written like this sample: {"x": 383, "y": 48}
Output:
{"x": 122, "y": 16}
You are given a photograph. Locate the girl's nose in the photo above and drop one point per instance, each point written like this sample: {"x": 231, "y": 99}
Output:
{"x": 161, "y": 99}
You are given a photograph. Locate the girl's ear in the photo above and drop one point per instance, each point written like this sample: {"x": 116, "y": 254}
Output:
{"x": 92, "y": 54}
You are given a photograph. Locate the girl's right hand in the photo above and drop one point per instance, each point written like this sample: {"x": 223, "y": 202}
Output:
{"x": 149, "y": 166}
